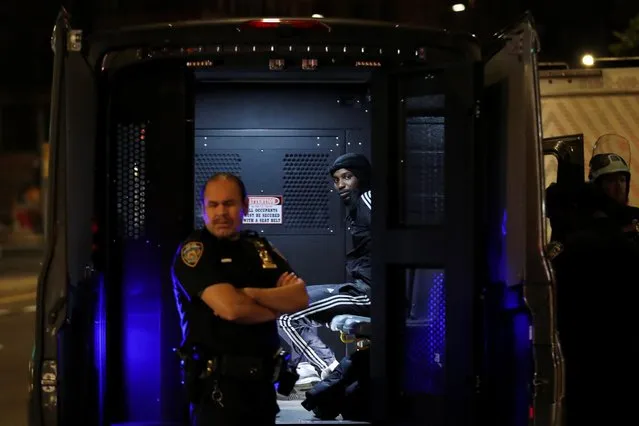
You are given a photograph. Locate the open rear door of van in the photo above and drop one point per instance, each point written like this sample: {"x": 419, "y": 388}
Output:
{"x": 423, "y": 314}
{"x": 567, "y": 153}
{"x": 65, "y": 298}
{"x": 512, "y": 125}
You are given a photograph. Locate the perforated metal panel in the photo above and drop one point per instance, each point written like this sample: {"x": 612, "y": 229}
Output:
{"x": 207, "y": 164}
{"x": 306, "y": 191}
{"x": 426, "y": 335}
{"x": 424, "y": 171}
{"x": 131, "y": 179}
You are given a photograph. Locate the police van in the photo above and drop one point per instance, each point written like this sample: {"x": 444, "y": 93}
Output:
{"x": 463, "y": 325}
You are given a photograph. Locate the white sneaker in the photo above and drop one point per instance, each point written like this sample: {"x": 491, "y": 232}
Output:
{"x": 308, "y": 375}
{"x": 328, "y": 370}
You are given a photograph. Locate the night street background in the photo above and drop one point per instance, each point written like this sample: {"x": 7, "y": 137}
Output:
{"x": 568, "y": 29}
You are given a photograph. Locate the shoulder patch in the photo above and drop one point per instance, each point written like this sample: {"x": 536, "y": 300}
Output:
{"x": 554, "y": 249}
{"x": 192, "y": 253}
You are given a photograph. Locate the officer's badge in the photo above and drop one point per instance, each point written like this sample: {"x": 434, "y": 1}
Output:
{"x": 265, "y": 257}
{"x": 191, "y": 253}
{"x": 554, "y": 249}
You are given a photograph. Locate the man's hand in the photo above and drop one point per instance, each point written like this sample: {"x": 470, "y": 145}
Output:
{"x": 249, "y": 291}
{"x": 287, "y": 297}
{"x": 289, "y": 278}
{"x": 228, "y": 303}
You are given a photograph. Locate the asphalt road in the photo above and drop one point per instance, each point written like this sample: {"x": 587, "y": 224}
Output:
{"x": 17, "y": 298}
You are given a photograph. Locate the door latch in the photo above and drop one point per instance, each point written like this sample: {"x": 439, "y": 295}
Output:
{"x": 74, "y": 41}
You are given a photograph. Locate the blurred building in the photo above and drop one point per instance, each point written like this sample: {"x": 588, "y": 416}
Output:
{"x": 25, "y": 79}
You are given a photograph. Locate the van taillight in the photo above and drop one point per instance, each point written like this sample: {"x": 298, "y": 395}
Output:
{"x": 305, "y": 24}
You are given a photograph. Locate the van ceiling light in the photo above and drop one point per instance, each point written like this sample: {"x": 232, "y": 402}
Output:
{"x": 276, "y": 64}
{"x": 309, "y": 64}
{"x": 368, "y": 64}
{"x": 459, "y": 7}
{"x": 305, "y": 24}
{"x": 317, "y": 16}
{"x": 199, "y": 64}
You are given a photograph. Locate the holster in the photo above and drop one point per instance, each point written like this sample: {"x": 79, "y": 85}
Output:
{"x": 242, "y": 367}
{"x": 199, "y": 368}
{"x": 193, "y": 369}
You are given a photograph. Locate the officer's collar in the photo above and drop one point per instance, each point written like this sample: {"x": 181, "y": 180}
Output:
{"x": 208, "y": 235}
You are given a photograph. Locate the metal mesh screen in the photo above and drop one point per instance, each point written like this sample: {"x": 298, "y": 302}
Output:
{"x": 424, "y": 363}
{"x": 424, "y": 171}
{"x": 306, "y": 192}
{"x": 207, "y": 164}
{"x": 131, "y": 179}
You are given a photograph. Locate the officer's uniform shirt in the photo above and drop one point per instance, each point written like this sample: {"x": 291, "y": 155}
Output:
{"x": 203, "y": 260}
{"x": 358, "y": 260}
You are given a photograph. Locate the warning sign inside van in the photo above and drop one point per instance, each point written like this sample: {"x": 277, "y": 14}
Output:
{"x": 264, "y": 210}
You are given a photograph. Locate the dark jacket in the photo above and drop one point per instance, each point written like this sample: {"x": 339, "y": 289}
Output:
{"x": 358, "y": 259}
{"x": 596, "y": 273}
{"x": 345, "y": 391}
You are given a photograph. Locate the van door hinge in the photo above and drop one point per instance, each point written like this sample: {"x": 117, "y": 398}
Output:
{"x": 74, "y": 41}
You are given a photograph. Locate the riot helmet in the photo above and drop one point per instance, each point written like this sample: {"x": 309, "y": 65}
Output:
{"x": 608, "y": 163}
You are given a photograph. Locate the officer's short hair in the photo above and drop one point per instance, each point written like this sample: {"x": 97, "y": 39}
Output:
{"x": 224, "y": 175}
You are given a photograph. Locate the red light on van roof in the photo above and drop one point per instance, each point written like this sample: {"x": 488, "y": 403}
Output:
{"x": 305, "y": 24}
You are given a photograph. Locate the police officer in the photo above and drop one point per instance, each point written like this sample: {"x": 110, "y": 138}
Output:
{"x": 611, "y": 173}
{"x": 595, "y": 268}
{"x": 594, "y": 264}
{"x": 230, "y": 287}
{"x": 351, "y": 175}
{"x": 607, "y": 192}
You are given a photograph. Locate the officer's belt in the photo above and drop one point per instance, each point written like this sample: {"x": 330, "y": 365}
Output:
{"x": 240, "y": 367}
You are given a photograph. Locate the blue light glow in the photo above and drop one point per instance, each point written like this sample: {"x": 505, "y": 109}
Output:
{"x": 425, "y": 356}
{"x": 504, "y": 223}
{"x": 142, "y": 315}
{"x": 99, "y": 346}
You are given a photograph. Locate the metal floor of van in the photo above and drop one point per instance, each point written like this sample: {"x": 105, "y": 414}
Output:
{"x": 292, "y": 412}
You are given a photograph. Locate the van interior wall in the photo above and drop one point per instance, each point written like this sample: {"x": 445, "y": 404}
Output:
{"x": 281, "y": 139}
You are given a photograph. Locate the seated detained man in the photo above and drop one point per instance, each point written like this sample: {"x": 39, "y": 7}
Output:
{"x": 314, "y": 359}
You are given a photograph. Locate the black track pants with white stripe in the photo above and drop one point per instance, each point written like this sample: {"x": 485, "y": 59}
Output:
{"x": 326, "y": 301}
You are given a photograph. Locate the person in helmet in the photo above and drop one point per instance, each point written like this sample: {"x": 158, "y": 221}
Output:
{"x": 594, "y": 259}
{"x": 611, "y": 173}
{"x": 313, "y": 359}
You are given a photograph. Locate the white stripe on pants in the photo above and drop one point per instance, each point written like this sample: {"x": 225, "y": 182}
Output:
{"x": 287, "y": 325}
